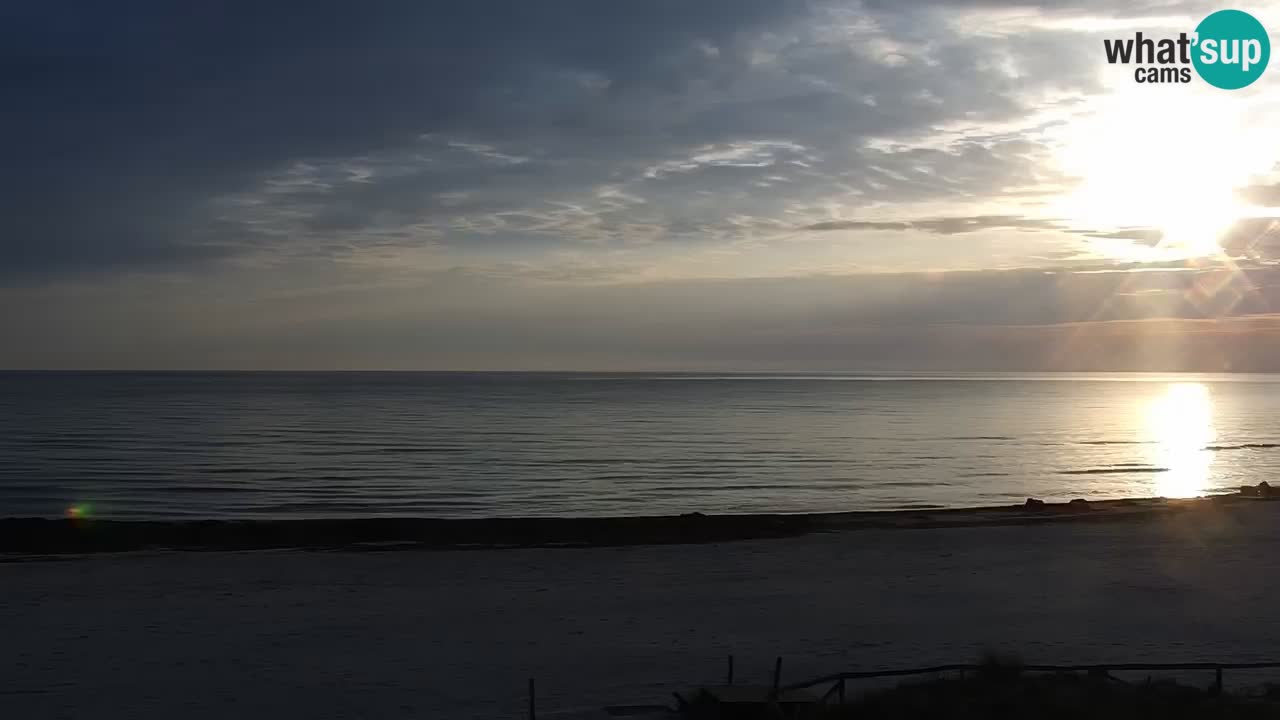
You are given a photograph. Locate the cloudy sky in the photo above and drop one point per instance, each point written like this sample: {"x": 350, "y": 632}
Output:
{"x": 673, "y": 184}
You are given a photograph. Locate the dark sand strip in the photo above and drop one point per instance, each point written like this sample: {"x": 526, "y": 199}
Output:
{"x": 39, "y": 536}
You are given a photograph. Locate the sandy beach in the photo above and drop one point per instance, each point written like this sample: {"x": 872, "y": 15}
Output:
{"x": 418, "y": 633}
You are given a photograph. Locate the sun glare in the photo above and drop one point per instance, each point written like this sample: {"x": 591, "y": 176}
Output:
{"x": 1149, "y": 159}
{"x": 1180, "y": 423}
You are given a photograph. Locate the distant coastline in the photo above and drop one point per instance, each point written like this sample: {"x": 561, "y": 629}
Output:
{"x": 44, "y": 536}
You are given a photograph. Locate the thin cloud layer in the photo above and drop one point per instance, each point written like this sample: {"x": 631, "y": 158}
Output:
{"x": 1019, "y": 319}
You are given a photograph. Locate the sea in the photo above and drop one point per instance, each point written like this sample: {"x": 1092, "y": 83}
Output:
{"x": 184, "y": 445}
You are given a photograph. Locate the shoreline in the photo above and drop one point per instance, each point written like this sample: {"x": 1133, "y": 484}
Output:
{"x": 47, "y": 536}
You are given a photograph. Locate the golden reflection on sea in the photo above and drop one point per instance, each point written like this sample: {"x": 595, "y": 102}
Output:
{"x": 1180, "y": 423}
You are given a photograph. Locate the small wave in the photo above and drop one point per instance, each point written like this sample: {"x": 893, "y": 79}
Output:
{"x": 1115, "y": 469}
{"x": 1117, "y": 442}
{"x": 980, "y": 437}
{"x": 1244, "y": 446}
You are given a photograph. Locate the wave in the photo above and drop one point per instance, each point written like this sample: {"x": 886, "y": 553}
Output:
{"x": 1212, "y": 448}
{"x": 1115, "y": 469}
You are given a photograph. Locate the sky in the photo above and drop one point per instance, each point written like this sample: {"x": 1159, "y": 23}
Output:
{"x": 668, "y": 184}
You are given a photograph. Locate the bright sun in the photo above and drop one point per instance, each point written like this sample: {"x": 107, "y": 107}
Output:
{"x": 1149, "y": 158}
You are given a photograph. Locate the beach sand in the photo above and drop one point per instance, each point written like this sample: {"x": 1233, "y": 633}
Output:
{"x": 430, "y": 633}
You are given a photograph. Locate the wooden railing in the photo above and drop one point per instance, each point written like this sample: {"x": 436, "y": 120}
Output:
{"x": 839, "y": 680}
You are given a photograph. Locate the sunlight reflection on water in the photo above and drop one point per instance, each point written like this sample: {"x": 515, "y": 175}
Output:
{"x": 1180, "y": 422}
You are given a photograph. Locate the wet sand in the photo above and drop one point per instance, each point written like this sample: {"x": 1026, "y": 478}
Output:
{"x": 336, "y": 633}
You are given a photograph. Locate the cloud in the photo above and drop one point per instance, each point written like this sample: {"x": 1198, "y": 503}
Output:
{"x": 1145, "y": 236}
{"x": 398, "y": 183}
{"x": 512, "y": 317}
{"x": 1254, "y": 238}
{"x": 136, "y": 119}
{"x": 153, "y": 138}
{"x": 943, "y": 225}
{"x": 1263, "y": 195}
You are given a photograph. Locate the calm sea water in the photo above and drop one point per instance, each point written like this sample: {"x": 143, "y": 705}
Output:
{"x": 140, "y": 445}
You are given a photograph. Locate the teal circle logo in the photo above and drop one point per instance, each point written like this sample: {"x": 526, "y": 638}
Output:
{"x": 1232, "y": 49}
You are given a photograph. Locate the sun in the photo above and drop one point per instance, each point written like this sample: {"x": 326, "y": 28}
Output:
{"x": 1155, "y": 159}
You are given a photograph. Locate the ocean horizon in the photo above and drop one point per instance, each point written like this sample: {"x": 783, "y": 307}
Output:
{"x": 323, "y": 444}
